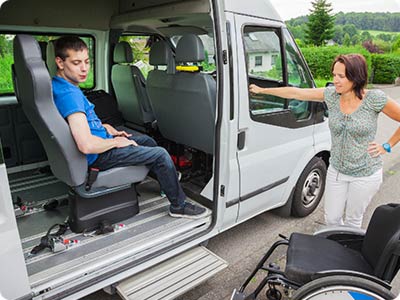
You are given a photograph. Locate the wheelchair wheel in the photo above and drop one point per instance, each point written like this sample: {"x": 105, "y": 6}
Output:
{"x": 342, "y": 287}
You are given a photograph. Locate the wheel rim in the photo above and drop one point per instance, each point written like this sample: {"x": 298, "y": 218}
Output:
{"x": 342, "y": 293}
{"x": 311, "y": 188}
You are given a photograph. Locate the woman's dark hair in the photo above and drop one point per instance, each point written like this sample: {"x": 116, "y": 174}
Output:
{"x": 64, "y": 43}
{"x": 356, "y": 70}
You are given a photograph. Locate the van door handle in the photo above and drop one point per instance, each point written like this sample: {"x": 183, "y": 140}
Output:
{"x": 241, "y": 140}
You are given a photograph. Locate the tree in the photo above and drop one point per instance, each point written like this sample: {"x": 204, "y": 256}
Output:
{"x": 365, "y": 36}
{"x": 320, "y": 25}
{"x": 350, "y": 29}
{"x": 355, "y": 39}
{"x": 347, "y": 40}
{"x": 338, "y": 35}
{"x": 371, "y": 47}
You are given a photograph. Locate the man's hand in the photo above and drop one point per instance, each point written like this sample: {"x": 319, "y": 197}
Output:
{"x": 114, "y": 132}
{"x": 124, "y": 142}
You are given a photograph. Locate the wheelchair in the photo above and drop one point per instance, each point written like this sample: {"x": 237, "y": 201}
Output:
{"x": 334, "y": 263}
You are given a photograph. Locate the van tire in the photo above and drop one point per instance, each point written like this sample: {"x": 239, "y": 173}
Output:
{"x": 309, "y": 188}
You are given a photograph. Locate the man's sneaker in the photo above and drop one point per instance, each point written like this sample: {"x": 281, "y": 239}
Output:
{"x": 188, "y": 211}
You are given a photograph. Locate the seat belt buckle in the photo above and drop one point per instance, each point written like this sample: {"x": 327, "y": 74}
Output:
{"x": 56, "y": 244}
{"x": 91, "y": 178}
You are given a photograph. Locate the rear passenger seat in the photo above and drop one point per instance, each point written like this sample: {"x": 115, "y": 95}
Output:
{"x": 183, "y": 101}
{"x": 130, "y": 89}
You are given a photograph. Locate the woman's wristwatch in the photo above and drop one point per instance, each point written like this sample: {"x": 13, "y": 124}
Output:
{"x": 387, "y": 147}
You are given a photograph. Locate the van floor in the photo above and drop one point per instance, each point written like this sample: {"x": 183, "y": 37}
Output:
{"x": 151, "y": 230}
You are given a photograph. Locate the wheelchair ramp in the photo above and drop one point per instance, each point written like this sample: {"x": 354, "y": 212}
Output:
{"x": 173, "y": 277}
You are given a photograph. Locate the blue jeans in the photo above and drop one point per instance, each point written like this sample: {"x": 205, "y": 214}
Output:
{"x": 154, "y": 157}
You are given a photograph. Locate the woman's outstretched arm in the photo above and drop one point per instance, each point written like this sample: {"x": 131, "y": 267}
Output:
{"x": 306, "y": 94}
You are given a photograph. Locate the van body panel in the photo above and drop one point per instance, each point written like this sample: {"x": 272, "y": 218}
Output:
{"x": 13, "y": 274}
{"x": 270, "y": 151}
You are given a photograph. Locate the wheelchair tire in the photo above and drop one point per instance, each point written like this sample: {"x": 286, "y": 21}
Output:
{"x": 309, "y": 188}
{"x": 342, "y": 287}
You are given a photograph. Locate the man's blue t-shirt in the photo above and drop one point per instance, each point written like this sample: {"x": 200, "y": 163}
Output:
{"x": 69, "y": 99}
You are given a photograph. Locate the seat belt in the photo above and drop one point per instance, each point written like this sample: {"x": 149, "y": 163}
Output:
{"x": 91, "y": 177}
{"x": 53, "y": 241}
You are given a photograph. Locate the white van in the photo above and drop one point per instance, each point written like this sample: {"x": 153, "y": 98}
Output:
{"x": 239, "y": 154}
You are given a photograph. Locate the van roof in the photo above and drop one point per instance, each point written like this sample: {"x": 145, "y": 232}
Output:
{"x": 256, "y": 8}
{"x": 121, "y": 13}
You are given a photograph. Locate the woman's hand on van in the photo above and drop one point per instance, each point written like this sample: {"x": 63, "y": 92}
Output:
{"x": 255, "y": 89}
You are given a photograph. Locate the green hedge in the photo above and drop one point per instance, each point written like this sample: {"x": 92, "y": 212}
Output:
{"x": 6, "y": 85}
{"x": 386, "y": 67}
{"x": 320, "y": 59}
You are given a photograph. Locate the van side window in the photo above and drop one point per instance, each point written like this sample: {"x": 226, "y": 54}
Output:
{"x": 272, "y": 62}
{"x": 297, "y": 76}
{"x": 140, "y": 45}
{"x": 6, "y": 59}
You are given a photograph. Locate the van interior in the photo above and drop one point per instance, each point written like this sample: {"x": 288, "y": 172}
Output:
{"x": 155, "y": 75}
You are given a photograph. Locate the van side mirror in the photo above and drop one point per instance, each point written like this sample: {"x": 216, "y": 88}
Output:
{"x": 329, "y": 83}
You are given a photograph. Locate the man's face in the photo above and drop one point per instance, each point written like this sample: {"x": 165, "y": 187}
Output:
{"x": 75, "y": 67}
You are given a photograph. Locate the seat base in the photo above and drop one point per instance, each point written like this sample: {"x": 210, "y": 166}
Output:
{"x": 308, "y": 254}
{"x": 87, "y": 213}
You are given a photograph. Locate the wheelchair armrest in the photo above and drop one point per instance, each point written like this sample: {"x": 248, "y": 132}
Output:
{"x": 347, "y": 236}
{"x": 337, "y": 230}
{"x": 352, "y": 273}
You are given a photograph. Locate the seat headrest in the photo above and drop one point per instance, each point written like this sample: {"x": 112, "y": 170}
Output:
{"x": 31, "y": 49}
{"x": 161, "y": 55}
{"x": 51, "y": 58}
{"x": 190, "y": 48}
{"x": 123, "y": 53}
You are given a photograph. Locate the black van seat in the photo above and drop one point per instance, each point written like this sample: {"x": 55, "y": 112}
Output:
{"x": 130, "y": 88}
{"x": 184, "y": 102}
{"x": 112, "y": 196}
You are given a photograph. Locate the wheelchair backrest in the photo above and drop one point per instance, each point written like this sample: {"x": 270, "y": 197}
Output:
{"x": 382, "y": 241}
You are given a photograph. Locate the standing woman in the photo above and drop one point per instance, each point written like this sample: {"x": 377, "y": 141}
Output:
{"x": 355, "y": 169}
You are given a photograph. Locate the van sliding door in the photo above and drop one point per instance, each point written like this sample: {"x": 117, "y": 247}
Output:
{"x": 14, "y": 282}
{"x": 275, "y": 133}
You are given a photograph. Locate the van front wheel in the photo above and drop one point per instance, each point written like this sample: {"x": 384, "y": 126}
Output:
{"x": 309, "y": 188}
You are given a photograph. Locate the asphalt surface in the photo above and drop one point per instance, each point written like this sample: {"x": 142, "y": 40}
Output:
{"x": 243, "y": 245}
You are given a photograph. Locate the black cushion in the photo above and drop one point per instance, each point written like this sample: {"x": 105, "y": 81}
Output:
{"x": 308, "y": 254}
{"x": 382, "y": 236}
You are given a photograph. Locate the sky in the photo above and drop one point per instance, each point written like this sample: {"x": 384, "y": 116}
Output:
{"x": 294, "y": 8}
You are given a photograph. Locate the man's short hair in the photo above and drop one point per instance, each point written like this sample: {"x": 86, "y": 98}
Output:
{"x": 65, "y": 43}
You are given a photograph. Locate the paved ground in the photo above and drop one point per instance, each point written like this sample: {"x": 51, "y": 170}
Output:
{"x": 245, "y": 244}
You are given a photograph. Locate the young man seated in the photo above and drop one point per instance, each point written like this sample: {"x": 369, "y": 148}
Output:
{"x": 104, "y": 146}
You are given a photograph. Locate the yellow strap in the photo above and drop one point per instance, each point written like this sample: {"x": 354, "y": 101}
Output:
{"x": 187, "y": 68}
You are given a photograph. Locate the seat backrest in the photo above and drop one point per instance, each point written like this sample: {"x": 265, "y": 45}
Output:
{"x": 381, "y": 244}
{"x": 130, "y": 87}
{"x": 159, "y": 81}
{"x": 32, "y": 85}
{"x": 51, "y": 59}
{"x": 185, "y": 112}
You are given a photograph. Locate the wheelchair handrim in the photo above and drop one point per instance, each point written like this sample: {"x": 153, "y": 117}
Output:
{"x": 342, "y": 292}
